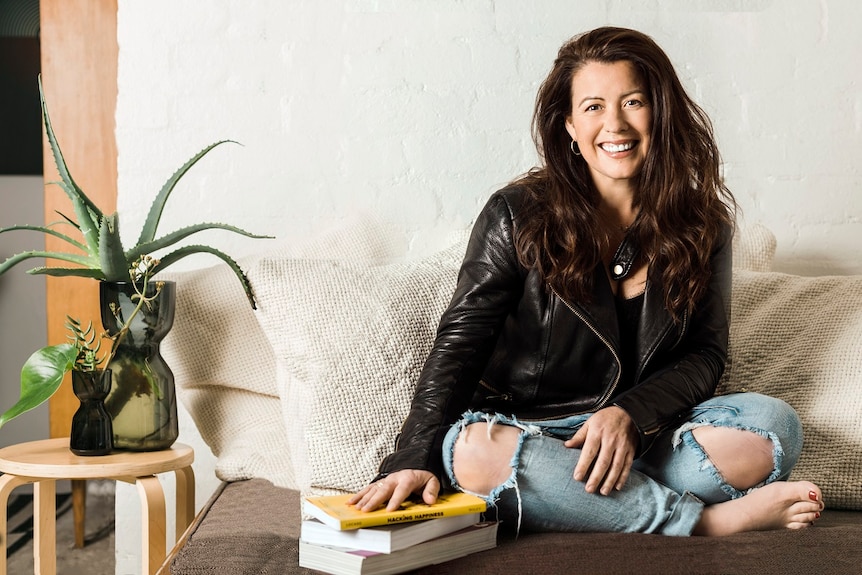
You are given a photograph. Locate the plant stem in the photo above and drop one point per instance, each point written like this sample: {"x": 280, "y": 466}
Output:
{"x": 142, "y": 299}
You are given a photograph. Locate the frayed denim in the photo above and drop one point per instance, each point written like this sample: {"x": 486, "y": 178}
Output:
{"x": 666, "y": 490}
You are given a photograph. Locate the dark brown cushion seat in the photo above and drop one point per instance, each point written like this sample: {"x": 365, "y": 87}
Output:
{"x": 252, "y": 527}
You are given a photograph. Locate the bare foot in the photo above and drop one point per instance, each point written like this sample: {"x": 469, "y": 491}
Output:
{"x": 779, "y": 505}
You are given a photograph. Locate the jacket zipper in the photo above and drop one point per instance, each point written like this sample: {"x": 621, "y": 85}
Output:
{"x": 657, "y": 428}
{"x": 500, "y": 394}
{"x": 604, "y": 340}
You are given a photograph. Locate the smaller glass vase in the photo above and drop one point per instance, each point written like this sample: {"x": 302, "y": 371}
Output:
{"x": 92, "y": 431}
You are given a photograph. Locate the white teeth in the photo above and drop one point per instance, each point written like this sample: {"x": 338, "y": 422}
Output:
{"x": 613, "y": 148}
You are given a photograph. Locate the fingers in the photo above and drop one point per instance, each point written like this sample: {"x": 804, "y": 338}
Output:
{"x": 607, "y": 442}
{"x": 608, "y": 474}
{"x": 372, "y": 496}
{"x": 577, "y": 440}
{"x": 399, "y": 494}
{"x": 394, "y": 489}
{"x": 432, "y": 489}
{"x": 605, "y": 473}
{"x": 624, "y": 474}
{"x": 589, "y": 451}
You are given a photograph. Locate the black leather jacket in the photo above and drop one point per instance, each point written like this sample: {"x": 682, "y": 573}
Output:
{"x": 509, "y": 344}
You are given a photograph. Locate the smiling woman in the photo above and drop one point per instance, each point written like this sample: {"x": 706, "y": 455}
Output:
{"x": 572, "y": 377}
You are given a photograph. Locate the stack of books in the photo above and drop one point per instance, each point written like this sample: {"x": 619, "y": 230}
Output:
{"x": 341, "y": 540}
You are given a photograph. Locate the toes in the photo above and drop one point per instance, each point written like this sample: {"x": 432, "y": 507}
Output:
{"x": 799, "y": 525}
{"x": 814, "y": 494}
{"x": 803, "y": 517}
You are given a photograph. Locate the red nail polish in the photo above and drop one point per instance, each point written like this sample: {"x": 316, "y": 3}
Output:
{"x": 817, "y": 515}
{"x": 812, "y": 496}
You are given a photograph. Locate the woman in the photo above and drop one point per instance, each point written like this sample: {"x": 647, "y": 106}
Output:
{"x": 571, "y": 381}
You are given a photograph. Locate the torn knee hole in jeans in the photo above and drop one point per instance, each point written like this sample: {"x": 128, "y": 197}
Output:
{"x": 684, "y": 435}
{"x": 511, "y": 481}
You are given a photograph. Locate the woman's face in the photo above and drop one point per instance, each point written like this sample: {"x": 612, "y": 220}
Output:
{"x": 611, "y": 120}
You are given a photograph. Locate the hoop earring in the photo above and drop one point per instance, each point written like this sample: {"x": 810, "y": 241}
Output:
{"x": 575, "y": 151}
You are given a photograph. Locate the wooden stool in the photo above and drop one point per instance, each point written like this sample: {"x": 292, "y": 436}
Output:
{"x": 42, "y": 463}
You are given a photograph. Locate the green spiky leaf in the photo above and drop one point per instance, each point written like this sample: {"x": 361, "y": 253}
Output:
{"x": 148, "y": 232}
{"x": 174, "y": 237}
{"x": 91, "y": 273}
{"x": 87, "y": 212}
{"x": 103, "y": 257}
{"x": 184, "y": 251}
{"x": 71, "y": 258}
{"x": 50, "y": 232}
{"x": 114, "y": 264}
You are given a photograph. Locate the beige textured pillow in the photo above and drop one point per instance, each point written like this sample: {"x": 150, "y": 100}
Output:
{"x": 754, "y": 248}
{"x": 798, "y": 339}
{"x": 222, "y": 362}
{"x": 349, "y": 341}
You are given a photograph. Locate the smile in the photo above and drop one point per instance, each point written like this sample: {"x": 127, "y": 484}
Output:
{"x": 615, "y": 148}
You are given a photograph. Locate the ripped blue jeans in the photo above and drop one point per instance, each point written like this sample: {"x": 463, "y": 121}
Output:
{"x": 667, "y": 488}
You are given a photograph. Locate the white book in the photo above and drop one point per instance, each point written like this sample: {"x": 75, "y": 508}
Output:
{"x": 343, "y": 561}
{"x": 385, "y": 538}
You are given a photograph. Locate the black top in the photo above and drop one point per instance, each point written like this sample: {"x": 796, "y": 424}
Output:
{"x": 628, "y": 315}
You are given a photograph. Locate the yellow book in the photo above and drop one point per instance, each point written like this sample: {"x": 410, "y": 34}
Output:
{"x": 333, "y": 510}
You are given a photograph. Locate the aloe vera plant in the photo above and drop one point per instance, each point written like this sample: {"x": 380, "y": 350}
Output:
{"x": 102, "y": 255}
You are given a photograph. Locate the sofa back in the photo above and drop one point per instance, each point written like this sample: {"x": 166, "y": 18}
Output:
{"x": 310, "y": 390}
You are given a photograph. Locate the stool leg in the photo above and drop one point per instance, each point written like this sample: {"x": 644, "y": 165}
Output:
{"x": 79, "y": 510}
{"x": 153, "y": 528}
{"x": 45, "y": 527}
{"x": 185, "y": 499}
{"x": 7, "y": 484}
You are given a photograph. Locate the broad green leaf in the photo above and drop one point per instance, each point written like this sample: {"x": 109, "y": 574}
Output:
{"x": 41, "y": 376}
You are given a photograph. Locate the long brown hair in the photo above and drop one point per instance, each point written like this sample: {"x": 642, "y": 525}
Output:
{"x": 682, "y": 200}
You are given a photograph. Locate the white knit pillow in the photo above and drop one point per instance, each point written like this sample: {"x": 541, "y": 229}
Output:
{"x": 753, "y": 248}
{"x": 798, "y": 339}
{"x": 223, "y": 365}
{"x": 349, "y": 341}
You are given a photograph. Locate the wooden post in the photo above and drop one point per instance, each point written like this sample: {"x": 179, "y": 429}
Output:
{"x": 79, "y": 76}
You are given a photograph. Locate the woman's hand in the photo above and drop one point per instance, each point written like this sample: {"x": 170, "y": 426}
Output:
{"x": 395, "y": 488}
{"x": 608, "y": 441}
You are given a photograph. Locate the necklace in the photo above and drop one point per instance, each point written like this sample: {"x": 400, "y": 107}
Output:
{"x": 614, "y": 223}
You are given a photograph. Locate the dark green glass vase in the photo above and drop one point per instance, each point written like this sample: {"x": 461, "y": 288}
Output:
{"x": 92, "y": 432}
{"x": 142, "y": 402}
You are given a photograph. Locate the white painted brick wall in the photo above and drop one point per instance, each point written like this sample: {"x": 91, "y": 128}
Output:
{"x": 417, "y": 110}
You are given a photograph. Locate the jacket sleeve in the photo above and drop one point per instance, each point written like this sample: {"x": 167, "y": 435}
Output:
{"x": 692, "y": 377}
{"x": 490, "y": 282}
